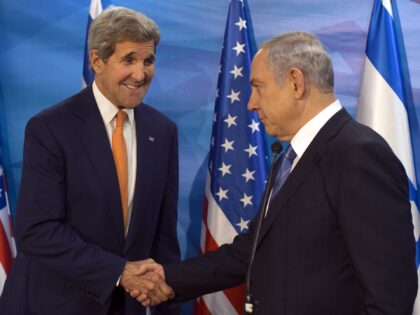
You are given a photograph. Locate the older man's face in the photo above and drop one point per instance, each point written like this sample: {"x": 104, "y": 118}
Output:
{"x": 125, "y": 78}
{"x": 274, "y": 102}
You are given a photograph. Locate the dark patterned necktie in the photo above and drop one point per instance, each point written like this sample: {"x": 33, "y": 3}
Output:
{"x": 284, "y": 169}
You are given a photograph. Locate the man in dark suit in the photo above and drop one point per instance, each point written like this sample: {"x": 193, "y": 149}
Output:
{"x": 337, "y": 237}
{"x": 99, "y": 185}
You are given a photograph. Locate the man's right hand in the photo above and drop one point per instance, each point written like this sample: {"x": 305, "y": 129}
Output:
{"x": 145, "y": 281}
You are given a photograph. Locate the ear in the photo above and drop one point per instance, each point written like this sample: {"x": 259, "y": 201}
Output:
{"x": 96, "y": 62}
{"x": 297, "y": 82}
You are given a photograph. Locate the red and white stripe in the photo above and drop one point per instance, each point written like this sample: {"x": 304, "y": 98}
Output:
{"x": 216, "y": 231}
{"x": 7, "y": 240}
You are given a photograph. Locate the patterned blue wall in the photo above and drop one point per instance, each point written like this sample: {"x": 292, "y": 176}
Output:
{"x": 41, "y": 51}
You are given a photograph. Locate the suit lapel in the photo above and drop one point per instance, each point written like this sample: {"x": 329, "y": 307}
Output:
{"x": 309, "y": 160}
{"x": 94, "y": 137}
{"x": 146, "y": 159}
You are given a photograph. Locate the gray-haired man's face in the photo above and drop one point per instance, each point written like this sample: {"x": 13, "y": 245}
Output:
{"x": 125, "y": 78}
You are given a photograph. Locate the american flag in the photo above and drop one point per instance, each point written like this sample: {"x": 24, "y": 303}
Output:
{"x": 94, "y": 10}
{"x": 7, "y": 241}
{"x": 237, "y": 167}
{"x": 386, "y": 100}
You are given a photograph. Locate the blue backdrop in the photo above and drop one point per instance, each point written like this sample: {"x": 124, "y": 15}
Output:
{"x": 41, "y": 55}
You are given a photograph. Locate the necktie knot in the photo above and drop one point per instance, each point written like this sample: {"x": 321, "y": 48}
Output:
{"x": 290, "y": 154}
{"x": 121, "y": 116}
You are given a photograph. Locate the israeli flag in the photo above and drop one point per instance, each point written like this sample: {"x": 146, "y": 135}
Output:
{"x": 95, "y": 9}
{"x": 385, "y": 100}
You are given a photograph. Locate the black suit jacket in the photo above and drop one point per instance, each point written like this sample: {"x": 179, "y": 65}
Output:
{"x": 337, "y": 239}
{"x": 69, "y": 225}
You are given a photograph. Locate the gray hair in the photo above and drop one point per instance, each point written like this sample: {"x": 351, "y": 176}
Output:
{"x": 303, "y": 51}
{"x": 119, "y": 24}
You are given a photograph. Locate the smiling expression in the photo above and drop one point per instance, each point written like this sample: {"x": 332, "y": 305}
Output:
{"x": 125, "y": 77}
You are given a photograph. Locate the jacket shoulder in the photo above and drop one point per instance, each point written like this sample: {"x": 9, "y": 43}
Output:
{"x": 151, "y": 114}
{"x": 67, "y": 105}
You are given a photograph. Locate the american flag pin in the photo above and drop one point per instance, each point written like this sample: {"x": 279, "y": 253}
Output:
{"x": 151, "y": 139}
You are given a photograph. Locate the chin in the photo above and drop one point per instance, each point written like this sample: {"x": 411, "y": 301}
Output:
{"x": 132, "y": 105}
{"x": 132, "y": 102}
{"x": 269, "y": 131}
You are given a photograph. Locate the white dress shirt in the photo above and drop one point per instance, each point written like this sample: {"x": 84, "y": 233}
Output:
{"x": 108, "y": 112}
{"x": 307, "y": 133}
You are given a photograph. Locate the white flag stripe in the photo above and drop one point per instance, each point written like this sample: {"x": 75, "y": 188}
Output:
{"x": 5, "y": 221}
{"x": 416, "y": 218}
{"x": 203, "y": 237}
{"x": 218, "y": 224}
{"x": 217, "y": 303}
{"x": 381, "y": 108}
{"x": 387, "y": 6}
{"x": 95, "y": 8}
{"x": 3, "y": 277}
{"x": 6, "y": 231}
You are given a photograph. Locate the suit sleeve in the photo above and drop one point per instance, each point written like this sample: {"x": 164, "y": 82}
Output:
{"x": 375, "y": 219}
{"x": 214, "y": 271}
{"x": 166, "y": 247}
{"x": 42, "y": 231}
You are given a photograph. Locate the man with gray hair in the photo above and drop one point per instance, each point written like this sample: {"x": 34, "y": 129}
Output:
{"x": 99, "y": 186}
{"x": 337, "y": 236}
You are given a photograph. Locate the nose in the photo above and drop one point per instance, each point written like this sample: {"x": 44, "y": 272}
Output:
{"x": 138, "y": 73}
{"x": 253, "y": 102}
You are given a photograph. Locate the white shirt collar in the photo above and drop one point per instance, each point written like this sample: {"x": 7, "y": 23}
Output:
{"x": 107, "y": 109}
{"x": 307, "y": 133}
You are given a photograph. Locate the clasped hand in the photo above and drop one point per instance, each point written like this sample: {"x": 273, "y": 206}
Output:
{"x": 145, "y": 281}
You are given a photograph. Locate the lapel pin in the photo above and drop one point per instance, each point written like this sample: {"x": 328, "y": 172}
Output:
{"x": 151, "y": 139}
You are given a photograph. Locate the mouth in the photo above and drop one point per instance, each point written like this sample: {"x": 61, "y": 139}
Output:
{"x": 135, "y": 87}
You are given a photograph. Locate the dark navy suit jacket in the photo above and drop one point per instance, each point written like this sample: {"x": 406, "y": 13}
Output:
{"x": 337, "y": 239}
{"x": 69, "y": 225}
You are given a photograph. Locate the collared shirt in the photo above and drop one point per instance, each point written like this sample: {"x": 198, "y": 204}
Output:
{"x": 307, "y": 133}
{"x": 108, "y": 112}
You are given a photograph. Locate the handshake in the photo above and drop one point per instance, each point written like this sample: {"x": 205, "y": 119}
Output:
{"x": 145, "y": 281}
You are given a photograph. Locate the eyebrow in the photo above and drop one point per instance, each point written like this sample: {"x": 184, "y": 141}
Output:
{"x": 255, "y": 82}
{"x": 151, "y": 56}
{"x": 132, "y": 53}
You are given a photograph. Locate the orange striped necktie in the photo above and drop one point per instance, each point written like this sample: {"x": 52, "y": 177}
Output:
{"x": 119, "y": 150}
